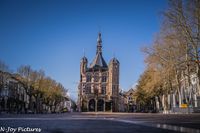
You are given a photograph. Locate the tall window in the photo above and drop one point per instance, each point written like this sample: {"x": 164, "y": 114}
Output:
{"x": 88, "y": 78}
{"x": 104, "y": 78}
{"x": 103, "y": 90}
{"x": 96, "y": 79}
{"x": 113, "y": 90}
{"x": 88, "y": 89}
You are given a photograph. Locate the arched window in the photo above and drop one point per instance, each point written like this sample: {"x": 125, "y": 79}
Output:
{"x": 88, "y": 78}
{"x": 91, "y": 105}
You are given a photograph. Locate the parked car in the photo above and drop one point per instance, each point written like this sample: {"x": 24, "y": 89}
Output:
{"x": 64, "y": 110}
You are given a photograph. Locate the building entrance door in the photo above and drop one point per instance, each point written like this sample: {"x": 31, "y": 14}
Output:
{"x": 91, "y": 105}
{"x": 100, "y": 105}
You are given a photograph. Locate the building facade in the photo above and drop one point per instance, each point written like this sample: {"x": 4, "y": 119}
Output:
{"x": 185, "y": 99}
{"x": 123, "y": 102}
{"x": 17, "y": 97}
{"x": 99, "y": 83}
{"x": 13, "y": 95}
{"x": 131, "y": 100}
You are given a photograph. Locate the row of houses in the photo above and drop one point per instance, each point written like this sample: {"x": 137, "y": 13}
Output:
{"x": 183, "y": 100}
{"x": 16, "y": 97}
{"x": 127, "y": 101}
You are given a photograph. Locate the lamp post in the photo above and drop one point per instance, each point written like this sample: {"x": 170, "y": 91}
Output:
{"x": 111, "y": 106}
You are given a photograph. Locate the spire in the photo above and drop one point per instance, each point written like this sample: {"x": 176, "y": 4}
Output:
{"x": 99, "y": 60}
{"x": 99, "y": 44}
{"x": 83, "y": 52}
{"x": 84, "y": 59}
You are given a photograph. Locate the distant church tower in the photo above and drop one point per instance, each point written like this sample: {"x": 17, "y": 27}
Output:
{"x": 99, "y": 83}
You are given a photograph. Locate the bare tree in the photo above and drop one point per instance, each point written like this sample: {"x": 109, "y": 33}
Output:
{"x": 184, "y": 17}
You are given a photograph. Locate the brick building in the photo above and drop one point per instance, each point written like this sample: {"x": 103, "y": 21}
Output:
{"x": 99, "y": 83}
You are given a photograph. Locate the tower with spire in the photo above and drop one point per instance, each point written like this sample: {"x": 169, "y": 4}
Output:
{"x": 99, "y": 83}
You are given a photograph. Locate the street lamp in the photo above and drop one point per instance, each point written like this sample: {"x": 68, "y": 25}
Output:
{"x": 111, "y": 105}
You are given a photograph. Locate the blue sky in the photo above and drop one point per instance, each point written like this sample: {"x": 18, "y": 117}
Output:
{"x": 51, "y": 35}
